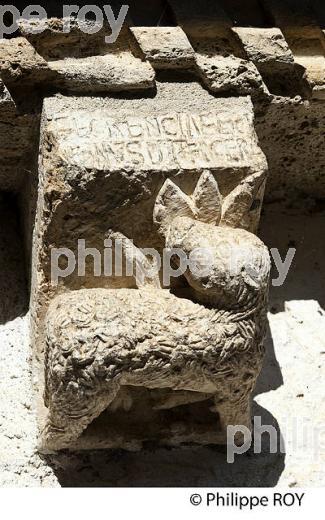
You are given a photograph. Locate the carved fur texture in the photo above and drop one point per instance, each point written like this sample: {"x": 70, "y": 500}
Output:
{"x": 100, "y": 341}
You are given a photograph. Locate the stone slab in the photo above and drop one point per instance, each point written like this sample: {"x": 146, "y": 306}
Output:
{"x": 165, "y": 47}
{"x": 100, "y": 74}
{"x": 264, "y": 45}
{"x": 268, "y": 49}
{"x": 224, "y": 75}
{"x": 20, "y": 62}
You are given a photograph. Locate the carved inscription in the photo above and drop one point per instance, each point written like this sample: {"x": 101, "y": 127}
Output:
{"x": 164, "y": 142}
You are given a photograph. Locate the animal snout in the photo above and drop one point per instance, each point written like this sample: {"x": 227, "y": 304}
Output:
{"x": 226, "y": 266}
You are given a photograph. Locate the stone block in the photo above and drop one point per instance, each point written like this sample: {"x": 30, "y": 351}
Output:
{"x": 270, "y": 52}
{"x": 264, "y": 45}
{"x": 230, "y": 75}
{"x": 309, "y": 54}
{"x": 300, "y": 28}
{"x": 165, "y": 47}
{"x": 21, "y": 64}
{"x": 99, "y": 74}
{"x": 78, "y": 70}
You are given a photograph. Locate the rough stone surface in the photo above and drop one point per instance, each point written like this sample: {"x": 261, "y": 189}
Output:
{"x": 217, "y": 66}
{"x": 291, "y": 136}
{"x": 97, "y": 155}
{"x": 165, "y": 47}
{"x": 223, "y": 74}
{"x": 54, "y": 43}
{"x": 100, "y": 74}
{"x": 193, "y": 130}
{"x": 303, "y": 34}
{"x": 309, "y": 52}
{"x": 19, "y": 62}
{"x": 269, "y": 51}
{"x": 118, "y": 70}
{"x": 264, "y": 45}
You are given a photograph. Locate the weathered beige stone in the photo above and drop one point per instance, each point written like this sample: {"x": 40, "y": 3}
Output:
{"x": 229, "y": 74}
{"x": 105, "y": 68}
{"x": 269, "y": 51}
{"x": 111, "y": 142}
{"x": 17, "y": 137}
{"x": 310, "y": 54}
{"x": 79, "y": 70}
{"x": 19, "y": 62}
{"x": 53, "y": 42}
{"x": 291, "y": 134}
{"x": 112, "y": 72}
{"x": 165, "y": 47}
{"x": 264, "y": 45}
{"x": 219, "y": 59}
{"x": 173, "y": 168}
{"x": 205, "y": 122}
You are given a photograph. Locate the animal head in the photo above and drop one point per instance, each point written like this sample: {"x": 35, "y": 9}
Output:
{"x": 231, "y": 264}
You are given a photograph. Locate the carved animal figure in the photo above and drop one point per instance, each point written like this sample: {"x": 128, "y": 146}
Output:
{"x": 100, "y": 341}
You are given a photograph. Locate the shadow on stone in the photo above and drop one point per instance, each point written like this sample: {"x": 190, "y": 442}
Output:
{"x": 161, "y": 467}
{"x": 13, "y": 292}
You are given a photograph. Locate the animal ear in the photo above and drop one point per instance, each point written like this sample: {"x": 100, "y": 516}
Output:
{"x": 207, "y": 199}
{"x": 171, "y": 202}
{"x": 145, "y": 272}
{"x": 239, "y": 202}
